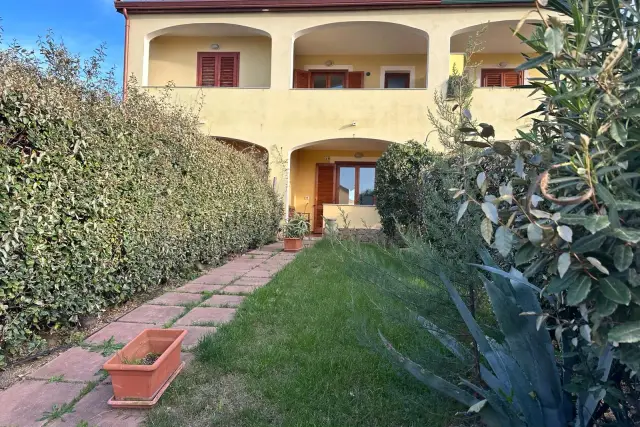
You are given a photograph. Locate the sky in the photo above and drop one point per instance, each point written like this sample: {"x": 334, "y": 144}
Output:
{"x": 82, "y": 26}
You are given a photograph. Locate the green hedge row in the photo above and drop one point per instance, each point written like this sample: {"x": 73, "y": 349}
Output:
{"x": 102, "y": 199}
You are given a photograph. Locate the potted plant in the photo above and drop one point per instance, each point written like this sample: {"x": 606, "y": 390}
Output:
{"x": 294, "y": 231}
{"x": 145, "y": 367}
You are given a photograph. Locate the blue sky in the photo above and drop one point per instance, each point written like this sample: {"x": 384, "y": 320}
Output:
{"x": 82, "y": 27}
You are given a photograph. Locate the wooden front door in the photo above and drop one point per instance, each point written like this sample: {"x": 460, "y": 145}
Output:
{"x": 325, "y": 192}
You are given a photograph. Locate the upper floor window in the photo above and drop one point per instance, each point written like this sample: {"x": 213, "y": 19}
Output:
{"x": 218, "y": 69}
{"x": 324, "y": 79}
{"x": 501, "y": 77}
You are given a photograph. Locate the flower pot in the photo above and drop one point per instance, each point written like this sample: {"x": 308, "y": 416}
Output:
{"x": 292, "y": 244}
{"x": 138, "y": 382}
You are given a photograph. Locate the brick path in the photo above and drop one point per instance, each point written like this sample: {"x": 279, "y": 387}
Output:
{"x": 74, "y": 383}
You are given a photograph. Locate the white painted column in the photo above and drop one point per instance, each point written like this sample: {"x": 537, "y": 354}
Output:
{"x": 282, "y": 62}
{"x": 438, "y": 59}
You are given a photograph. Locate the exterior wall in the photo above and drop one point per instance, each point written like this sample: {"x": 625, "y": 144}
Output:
{"x": 357, "y": 216}
{"x": 371, "y": 64}
{"x": 175, "y": 59}
{"x": 303, "y": 174}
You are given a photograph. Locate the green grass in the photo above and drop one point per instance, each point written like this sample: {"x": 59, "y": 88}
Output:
{"x": 304, "y": 351}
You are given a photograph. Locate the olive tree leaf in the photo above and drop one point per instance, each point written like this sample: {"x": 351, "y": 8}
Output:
{"x": 564, "y": 261}
{"x": 628, "y": 332}
{"x": 504, "y": 241}
{"x": 534, "y": 233}
{"x": 540, "y": 214}
{"x": 565, "y": 233}
{"x": 482, "y": 176}
{"x": 519, "y": 166}
{"x": 490, "y": 211}
{"x": 588, "y": 243}
{"x": 622, "y": 257}
{"x": 615, "y": 290}
{"x": 597, "y": 264}
{"x": 618, "y": 132}
{"x": 627, "y": 234}
{"x": 462, "y": 210}
{"x": 477, "y": 144}
{"x": 526, "y": 253}
{"x": 578, "y": 290}
{"x": 593, "y": 223}
{"x": 554, "y": 40}
{"x": 486, "y": 229}
{"x": 535, "y": 199}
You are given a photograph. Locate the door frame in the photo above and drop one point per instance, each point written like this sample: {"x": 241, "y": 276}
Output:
{"x": 315, "y": 189}
{"x": 405, "y": 74}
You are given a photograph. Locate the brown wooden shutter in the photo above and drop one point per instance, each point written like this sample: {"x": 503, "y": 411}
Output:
{"x": 355, "y": 80}
{"x": 228, "y": 76}
{"x": 511, "y": 78}
{"x": 325, "y": 192}
{"x": 220, "y": 69}
{"x": 301, "y": 79}
{"x": 491, "y": 78}
{"x": 206, "y": 69}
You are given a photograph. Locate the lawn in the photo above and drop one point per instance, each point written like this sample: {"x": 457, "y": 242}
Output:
{"x": 304, "y": 351}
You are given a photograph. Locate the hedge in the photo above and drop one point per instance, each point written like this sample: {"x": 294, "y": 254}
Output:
{"x": 103, "y": 198}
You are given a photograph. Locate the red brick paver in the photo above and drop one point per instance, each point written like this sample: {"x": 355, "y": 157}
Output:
{"x": 156, "y": 314}
{"x": 121, "y": 332}
{"x": 25, "y": 402}
{"x": 75, "y": 364}
{"x": 207, "y": 315}
{"x": 224, "y": 301}
{"x": 194, "y": 333}
{"x": 176, "y": 298}
{"x": 198, "y": 288}
{"x": 233, "y": 289}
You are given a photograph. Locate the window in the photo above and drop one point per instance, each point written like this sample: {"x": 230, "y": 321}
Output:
{"x": 501, "y": 78}
{"x": 328, "y": 79}
{"x": 219, "y": 69}
{"x": 396, "y": 80}
{"x": 356, "y": 183}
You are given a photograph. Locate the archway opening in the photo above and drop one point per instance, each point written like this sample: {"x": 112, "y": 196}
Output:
{"x": 357, "y": 55}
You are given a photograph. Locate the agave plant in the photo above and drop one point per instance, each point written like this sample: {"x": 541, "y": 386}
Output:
{"x": 523, "y": 382}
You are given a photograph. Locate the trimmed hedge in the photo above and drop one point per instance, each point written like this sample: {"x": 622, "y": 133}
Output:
{"x": 102, "y": 199}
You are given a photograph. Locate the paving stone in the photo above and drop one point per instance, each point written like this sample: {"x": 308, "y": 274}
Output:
{"x": 273, "y": 247}
{"x": 156, "y": 314}
{"x": 208, "y": 315}
{"x": 121, "y": 332}
{"x": 235, "y": 289}
{"x": 198, "y": 288}
{"x": 75, "y": 364}
{"x": 259, "y": 272}
{"x": 224, "y": 301}
{"x": 251, "y": 281}
{"x": 94, "y": 410}
{"x": 25, "y": 402}
{"x": 194, "y": 333}
{"x": 212, "y": 278}
{"x": 176, "y": 298}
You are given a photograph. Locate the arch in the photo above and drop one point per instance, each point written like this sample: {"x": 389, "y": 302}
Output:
{"x": 346, "y": 144}
{"x": 244, "y": 146}
{"x": 338, "y": 24}
{"x": 202, "y": 29}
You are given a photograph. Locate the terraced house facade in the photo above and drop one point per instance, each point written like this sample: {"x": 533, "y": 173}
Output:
{"x": 323, "y": 86}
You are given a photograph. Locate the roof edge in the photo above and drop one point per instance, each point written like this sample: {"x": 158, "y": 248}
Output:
{"x": 228, "y": 6}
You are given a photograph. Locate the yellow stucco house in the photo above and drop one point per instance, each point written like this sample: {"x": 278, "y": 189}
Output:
{"x": 323, "y": 86}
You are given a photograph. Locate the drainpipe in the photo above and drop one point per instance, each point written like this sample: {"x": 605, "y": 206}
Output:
{"x": 126, "y": 53}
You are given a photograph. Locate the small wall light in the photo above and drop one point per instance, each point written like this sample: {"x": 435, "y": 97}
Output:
{"x": 215, "y": 46}
{"x": 329, "y": 63}
{"x": 367, "y": 73}
{"x": 502, "y": 64}
{"x": 358, "y": 155}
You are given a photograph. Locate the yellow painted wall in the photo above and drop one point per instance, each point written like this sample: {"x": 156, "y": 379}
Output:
{"x": 303, "y": 174}
{"x": 456, "y": 60}
{"x": 371, "y": 64}
{"x": 357, "y": 216}
{"x": 175, "y": 59}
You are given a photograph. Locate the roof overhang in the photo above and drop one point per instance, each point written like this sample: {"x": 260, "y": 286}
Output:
{"x": 222, "y": 6}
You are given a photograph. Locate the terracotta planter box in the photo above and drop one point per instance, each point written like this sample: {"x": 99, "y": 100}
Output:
{"x": 292, "y": 245}
{"x": 133, "y": 382}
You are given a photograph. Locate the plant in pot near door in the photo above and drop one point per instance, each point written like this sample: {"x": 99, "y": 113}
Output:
{"x": 145, "y": 367}
{"x": 294, "y": 231}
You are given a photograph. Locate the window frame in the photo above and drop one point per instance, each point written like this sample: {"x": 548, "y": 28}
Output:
{"x": 356, "y": 165}
{"x": 218, "y": 56}
{"x": 405, "y": 74}
{"x": 502, "y": 72}
{"x": 344, "y": 73}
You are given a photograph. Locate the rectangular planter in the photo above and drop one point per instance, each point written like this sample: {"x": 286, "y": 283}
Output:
{"x": 142, "y": 382}
{"x": 292, "y": 245}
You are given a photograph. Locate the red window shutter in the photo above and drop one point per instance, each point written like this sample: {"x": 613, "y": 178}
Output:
{"x": 491, "y": 78}
{"x": 228, "y": 70}
{"x": 512, "y": 78}
{"x": 301, "y": 79}
{"x": 355, "y": 80}
{"x": 218, "y": 69}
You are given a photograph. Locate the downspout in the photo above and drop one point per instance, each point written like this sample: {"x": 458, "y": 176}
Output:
{"x": 126, "y": 54}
